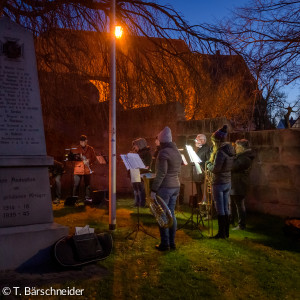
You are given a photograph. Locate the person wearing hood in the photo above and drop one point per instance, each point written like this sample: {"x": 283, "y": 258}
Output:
{"x": 220, "y": 164}
{"x": 140, "y": 147}
{"x": 166, "y": 184}
{"x": 239, "y": 180}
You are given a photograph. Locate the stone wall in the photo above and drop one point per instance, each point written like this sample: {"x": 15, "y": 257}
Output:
{"x": 275, "y": 174}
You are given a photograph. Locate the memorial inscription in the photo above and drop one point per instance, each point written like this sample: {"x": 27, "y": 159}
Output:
{"x": 22, "y": 191}
{"x": 18, "y": 126}
{"x": 21, "y": 123}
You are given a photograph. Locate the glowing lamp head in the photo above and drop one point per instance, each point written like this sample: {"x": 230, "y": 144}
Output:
{"x": 118, "y": 32}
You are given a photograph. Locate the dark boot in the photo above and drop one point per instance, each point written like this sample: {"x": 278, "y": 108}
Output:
{"x": 221, "y": 225}
{"x": 227, "y": 223}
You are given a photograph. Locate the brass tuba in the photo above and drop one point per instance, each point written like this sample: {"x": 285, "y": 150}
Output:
{"x": 161, "y": 212}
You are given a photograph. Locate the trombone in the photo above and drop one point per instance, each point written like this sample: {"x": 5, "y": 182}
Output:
{"x": 207, "y": 199}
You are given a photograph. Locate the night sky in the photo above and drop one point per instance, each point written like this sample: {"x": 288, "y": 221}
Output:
{"x": 210, "y": 11}
{"x": 199, "y": 11}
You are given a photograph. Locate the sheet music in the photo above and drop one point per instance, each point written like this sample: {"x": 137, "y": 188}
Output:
{"x": 194, "y": 158}
{"x": 132, "y": 161}
{"x": 198, "y": 169}
{"x": 184, "y": 160}
{"x": 135, "y": 175}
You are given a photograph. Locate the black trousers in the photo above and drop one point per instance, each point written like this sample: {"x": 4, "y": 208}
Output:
{"x": 239, "y": 202}
{"x": 77, "y": 180}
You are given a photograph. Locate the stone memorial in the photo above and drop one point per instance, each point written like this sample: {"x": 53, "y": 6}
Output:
{"x": 26, "y": 218}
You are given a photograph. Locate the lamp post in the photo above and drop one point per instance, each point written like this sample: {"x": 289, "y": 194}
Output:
{"x": 112, "y": 121}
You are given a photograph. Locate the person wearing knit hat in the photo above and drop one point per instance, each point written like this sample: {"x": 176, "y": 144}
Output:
{"x": 140, "y": 147}
{"x": 220, "y": 165}
{"x": 166, "y": 184}
{"x": 220, "y": 134}
{"x": 140, "y": 143}
{"x": 165, "y": 136}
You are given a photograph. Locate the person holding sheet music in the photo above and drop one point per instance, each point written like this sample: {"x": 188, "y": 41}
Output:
{"x": 140, "y": 147}
{"x": 166, "y": 184}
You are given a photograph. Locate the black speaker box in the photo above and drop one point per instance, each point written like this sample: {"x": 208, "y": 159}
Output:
{"x": 99, "y": 197}
{"x": 71, "y": 201}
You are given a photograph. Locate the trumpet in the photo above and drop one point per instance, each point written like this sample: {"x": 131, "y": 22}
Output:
{"x": 86, "y": 162}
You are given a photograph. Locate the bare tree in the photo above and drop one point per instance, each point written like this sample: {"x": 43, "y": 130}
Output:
{"x": 267, "y": 34}
{"x": 164, "y": 66}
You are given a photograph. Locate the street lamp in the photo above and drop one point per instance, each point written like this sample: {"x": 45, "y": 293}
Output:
{"x": 112, "y": 121}
{"x": 118, "y": 31}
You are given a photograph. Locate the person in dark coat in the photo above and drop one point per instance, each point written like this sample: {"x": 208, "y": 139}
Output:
{"x": 240, "y": 179}
{"x": 203, "y": 152}
{"x": 140, "y": 147}
{"x": 220, "y": 164}
{"x": 166, "y": 184}
{"x": 55, "y": 173}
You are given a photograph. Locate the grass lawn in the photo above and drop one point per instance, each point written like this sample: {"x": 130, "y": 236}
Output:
{"x": 260, "y": 263}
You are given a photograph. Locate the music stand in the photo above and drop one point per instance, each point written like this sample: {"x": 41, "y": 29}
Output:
{"x": 138, "y": 227}
{"x": 194, "y": 162}
{"x": 132, "y": 161}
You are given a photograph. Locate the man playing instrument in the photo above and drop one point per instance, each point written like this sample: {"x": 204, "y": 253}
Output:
{"x": 82, "y": 168}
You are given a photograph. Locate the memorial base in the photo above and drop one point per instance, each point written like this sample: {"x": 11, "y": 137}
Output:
{"x": 28, "y": 245}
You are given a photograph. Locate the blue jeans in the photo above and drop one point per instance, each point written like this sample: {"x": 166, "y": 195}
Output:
{"x": 169, "y": 195}
{"x": 221, "y": 197}
{"x": 139, "y": 193}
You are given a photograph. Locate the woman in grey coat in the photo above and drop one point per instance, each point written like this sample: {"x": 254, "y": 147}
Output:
{"x": 166, "y": 184}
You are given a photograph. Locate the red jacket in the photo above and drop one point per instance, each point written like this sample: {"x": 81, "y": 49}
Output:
{"x": 86, "y": 153}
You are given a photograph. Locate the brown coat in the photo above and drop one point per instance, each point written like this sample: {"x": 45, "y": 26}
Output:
{"x": 88, "y": 152}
